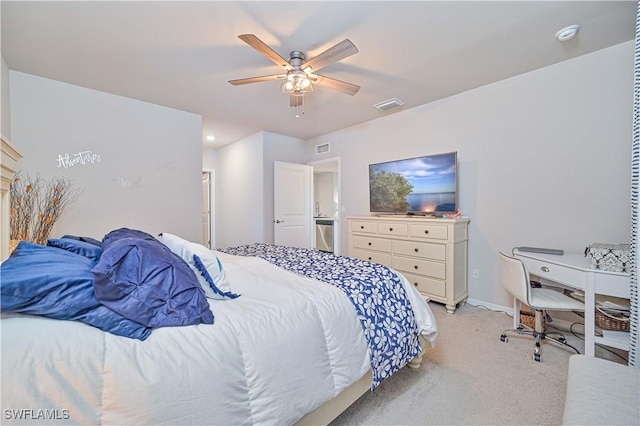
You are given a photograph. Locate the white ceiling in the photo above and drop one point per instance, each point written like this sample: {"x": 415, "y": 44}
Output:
{"x": 182, "y": 54}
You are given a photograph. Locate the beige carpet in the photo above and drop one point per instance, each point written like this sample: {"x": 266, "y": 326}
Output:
{"x": 472, "y": 378}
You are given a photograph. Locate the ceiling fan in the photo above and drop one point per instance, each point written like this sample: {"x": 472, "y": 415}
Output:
{"x": 298, "y": 74}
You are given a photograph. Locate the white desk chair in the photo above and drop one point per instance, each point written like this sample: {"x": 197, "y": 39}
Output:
{"x": 515, "y": 279}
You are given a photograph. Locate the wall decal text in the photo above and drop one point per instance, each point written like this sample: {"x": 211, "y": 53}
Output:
{"x": 128, "y": 182}
{"x": 82, "y": 158}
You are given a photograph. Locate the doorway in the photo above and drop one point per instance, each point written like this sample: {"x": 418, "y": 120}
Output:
{"x": 326, "y": 203}
{"x": 208, "y": 208}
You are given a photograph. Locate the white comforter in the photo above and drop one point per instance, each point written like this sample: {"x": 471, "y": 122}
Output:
{"x": 279, "y": 351}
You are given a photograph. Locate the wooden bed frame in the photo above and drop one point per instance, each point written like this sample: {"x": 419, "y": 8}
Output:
{"x": 331, "y": 409}
{"x": 321, "y": 416}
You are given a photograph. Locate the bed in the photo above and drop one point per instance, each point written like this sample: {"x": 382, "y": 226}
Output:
{"x": 271, "y": 335}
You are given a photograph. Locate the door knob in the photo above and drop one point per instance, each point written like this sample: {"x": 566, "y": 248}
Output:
{"x": 279, "y": 221}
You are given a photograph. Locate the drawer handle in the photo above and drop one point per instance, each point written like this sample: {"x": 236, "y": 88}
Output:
{"x": 416, "y": 267}
{"x": 369, "y": 243}
{"x": 390, "y": 229}
{"x": 361, "y": 226}
{"x": 545, "y": 269}
{"x": 416, "y": 250}
{"x": 426, "y": 231}
{"x": 416, "y": 284}
{"x": 369, "y": 258}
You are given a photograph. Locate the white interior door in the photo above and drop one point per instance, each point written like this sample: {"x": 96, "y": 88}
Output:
{"x": 206, "y": 209}
{"x": 292, "y": 212}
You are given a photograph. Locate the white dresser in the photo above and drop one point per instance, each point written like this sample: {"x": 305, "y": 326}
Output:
{"x": 430, "y": 253}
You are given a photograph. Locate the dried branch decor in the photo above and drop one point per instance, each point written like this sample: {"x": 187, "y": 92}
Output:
{"x": 37, "y": 204}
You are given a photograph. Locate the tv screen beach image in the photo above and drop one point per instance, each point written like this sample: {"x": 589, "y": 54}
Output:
{"x": 423, "y": 184}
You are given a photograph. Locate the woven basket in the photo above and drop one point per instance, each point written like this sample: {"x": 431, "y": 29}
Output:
{"x": 528, "y": 317}
{"x": 528, "y": 320}
{"x": 611, "y": 321}
{"x": 606, "y": 319}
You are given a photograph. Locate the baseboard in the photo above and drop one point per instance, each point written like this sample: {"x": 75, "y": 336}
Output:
{"x": 490, "y": 306}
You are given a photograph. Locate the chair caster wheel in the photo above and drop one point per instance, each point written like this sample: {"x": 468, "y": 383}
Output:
{"x": 537, "y": 357}
{"x": 504, "y": 338}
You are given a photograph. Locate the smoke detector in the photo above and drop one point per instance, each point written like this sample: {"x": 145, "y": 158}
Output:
{"x": 567, "y": 33}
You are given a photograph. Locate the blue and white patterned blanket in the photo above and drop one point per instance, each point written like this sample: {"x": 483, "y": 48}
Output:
{"x": 376, "y": 292}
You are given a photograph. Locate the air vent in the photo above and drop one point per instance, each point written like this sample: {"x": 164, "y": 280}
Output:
{"x": 388, "y": 104}
{"x": 322, "y": 149}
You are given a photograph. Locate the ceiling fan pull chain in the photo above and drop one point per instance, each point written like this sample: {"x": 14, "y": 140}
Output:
{"x": 298, "y": 105}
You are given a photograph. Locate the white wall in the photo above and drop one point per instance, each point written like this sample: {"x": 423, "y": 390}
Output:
{"x": 323, "y": 192}
{"x": 5, "y": 104}
{"x": 239, "y": 192}
{"x": 209, "y": 159}
{"x": 544, "y": 158}
{"x": 149, "y": 173}
{"x": 244, "y": 186}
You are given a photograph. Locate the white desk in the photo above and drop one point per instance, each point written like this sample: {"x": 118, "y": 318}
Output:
{"x": 572, "y": 270}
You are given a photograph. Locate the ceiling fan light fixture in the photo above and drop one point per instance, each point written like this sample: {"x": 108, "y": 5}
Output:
{"x": 297, "y": 84}
{"x": 298, "y": 79}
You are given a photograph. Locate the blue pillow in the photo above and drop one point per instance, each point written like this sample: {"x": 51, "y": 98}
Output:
{"x": 207, "y": 277}
{"x": 55, "y": 283}
{"x": 118, "y": 234}
{"x": 84, "y": 239}
{"x": 140, "y": 278}
{"x": 87, "y": 250}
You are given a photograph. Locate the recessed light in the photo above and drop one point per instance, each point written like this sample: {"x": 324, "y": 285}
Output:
{"x": 567, "y": 33}
{"x": 211, "y": 138}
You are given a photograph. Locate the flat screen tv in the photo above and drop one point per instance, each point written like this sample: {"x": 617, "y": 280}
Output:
{"x": 417, "y": 186}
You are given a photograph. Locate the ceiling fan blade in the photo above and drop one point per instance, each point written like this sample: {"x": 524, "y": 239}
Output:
{"x": 261, "y": 47}
{"x": 295, "y": 101}
{"x": 242, "y": 81}
{"x": 332, "y": 83}
{"x": 334, "y": 54}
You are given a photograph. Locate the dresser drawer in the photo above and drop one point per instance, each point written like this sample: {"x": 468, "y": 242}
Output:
{"x": 419, "y": 266}
{"x": 421, "y": 250}
{"x": 368, "y": 227}
{"x": 372, "y": 243}
{"x": 400, "y": 229}
{"x": 436, "y": 232}
{"x": 430, "y": 286}
{"x": 372, "y": 256}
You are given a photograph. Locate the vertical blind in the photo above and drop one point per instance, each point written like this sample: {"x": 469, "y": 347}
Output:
{"x": 635, "y": 166}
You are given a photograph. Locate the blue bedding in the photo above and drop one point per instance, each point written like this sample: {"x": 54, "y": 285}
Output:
{"x": 126, "y": 285}
{"x": 57, "y": 283}
{"x": 377, "y": 293}
{"x": 141, "y": 279}
{"x": 80, "y": 247}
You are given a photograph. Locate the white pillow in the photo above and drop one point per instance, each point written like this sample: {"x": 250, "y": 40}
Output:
{"x": 206, "y": 265}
